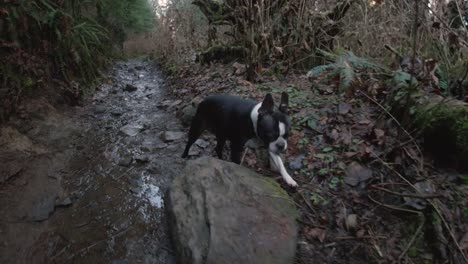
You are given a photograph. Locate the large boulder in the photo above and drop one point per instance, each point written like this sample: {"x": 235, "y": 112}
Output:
{"x": 220, "y": 212}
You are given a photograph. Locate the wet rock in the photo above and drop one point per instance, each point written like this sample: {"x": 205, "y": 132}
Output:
{"x": 130, "y": 88}
{"x": 131, "y": 130}
{"x": 42, "y": 209}
{"x": 63, "y": 202}
{"x": 220, "y": 212}
{"x": 125, "y": 158}
{"x": 142, "y": 158}
{"x": 202, "y": 143}
{"x": 100, "y": 109}
{"x": 164, "y": 104}
{"x": 356, "y": 173}
{"x": 9, "y": 170}
{"x": 187, "y": 114}
{"x": 139, "y": 68}
{"x": 174, "y": 104}
{"x": 160, "y": 145}
{"x": 194, "y": 151}
{"x": 117, "y": 112}
{"x": 296, "y": 163}
{"x": 170, "y": 136}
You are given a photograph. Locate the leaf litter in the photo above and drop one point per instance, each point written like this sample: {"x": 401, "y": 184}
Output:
{"x": 362, "y": 190}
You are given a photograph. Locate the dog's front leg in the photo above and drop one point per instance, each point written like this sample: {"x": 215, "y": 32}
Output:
{"x": 279, "y": 164}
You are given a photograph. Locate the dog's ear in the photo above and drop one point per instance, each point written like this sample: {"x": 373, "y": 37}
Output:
{"x": 283, "y": 107}
{"x": 267, "y": 105}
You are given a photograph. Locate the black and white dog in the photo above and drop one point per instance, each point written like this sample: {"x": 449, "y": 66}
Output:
{"x": 238, "y": 120}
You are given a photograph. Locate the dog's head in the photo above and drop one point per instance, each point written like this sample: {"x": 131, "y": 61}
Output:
{"x": 273, "y": 125}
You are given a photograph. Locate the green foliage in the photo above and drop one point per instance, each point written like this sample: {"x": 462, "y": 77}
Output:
{"x": 345, "y": 65}
{"x": 64, "y": 40}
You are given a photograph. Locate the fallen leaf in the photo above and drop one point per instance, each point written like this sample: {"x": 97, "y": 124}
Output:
{"x": 364, "y": 122}
{"x": 379, "y": 133}
{"x": 356, "y": 173}
{"x": 316, "y": 233}
{"x": 360, "y": 233}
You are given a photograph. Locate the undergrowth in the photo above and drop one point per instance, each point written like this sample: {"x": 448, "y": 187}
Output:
{"x": 62, "y": 42}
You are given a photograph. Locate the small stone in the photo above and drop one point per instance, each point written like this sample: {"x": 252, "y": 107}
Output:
{"x": 164, "y": 104}
{"x": 63, "y": 202}
{"x": 202, "y": 143}
{"x": 100, "y": 109}
{"x": 142, "y": 158}
{"x": 42, "y": 209}
{"x": 170, "y": 136}
{"x": 117, "y": 112}
{"x": 131, "y": 130}
{"x": 160, "y": 145}
{"x": 130, "y": 88}
{"x": 296, "y": 163}
{"x": 351, "y": 222}
{"x": 194, "y": 151}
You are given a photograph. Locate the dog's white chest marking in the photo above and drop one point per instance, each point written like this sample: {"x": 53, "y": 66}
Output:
{"x": 254, "y": 117}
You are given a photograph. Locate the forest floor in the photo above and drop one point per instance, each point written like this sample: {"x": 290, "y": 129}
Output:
{"x": 367, "y": 193}
{"x": 85, "y": 184}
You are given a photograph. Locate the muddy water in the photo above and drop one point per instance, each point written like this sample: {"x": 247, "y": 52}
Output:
{"x": 110, "y": 169}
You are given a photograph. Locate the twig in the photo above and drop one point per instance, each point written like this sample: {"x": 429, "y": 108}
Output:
{"x": 306, "y": 202}
{"x": 415, "y": 36}
{"x": 392, "y": 206}
{"x": 422, "y": 196}
{"x": 418, "y": 231}
{"x": 361, "y": 237}
{"x": 398, "y": 123}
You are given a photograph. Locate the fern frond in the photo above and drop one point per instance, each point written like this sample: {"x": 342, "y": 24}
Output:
{"x": 317, "y": 71}
{"x": 327, "y": 55}
{"x": 347, "y": 75}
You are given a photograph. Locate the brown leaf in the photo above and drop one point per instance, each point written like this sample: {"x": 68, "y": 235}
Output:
{"x": 346, "y": 136}
{"x": 350, "y": 154}
{"x": 360, "y": 233}
{"x": 379, "y": 133}
{"x": 364, "y": 122}
{"x": 316, "y": 233}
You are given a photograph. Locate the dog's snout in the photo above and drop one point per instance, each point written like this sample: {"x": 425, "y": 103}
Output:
{"x": 281, "y": 146}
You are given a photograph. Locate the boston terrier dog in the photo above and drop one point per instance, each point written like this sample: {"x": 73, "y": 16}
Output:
{"x": 239, "y": 120}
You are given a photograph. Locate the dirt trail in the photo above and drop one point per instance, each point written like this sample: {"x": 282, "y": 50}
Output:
{"x": 86, "y": 186}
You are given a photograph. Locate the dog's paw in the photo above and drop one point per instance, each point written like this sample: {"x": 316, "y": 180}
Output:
{"x": 291, "y": 182}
